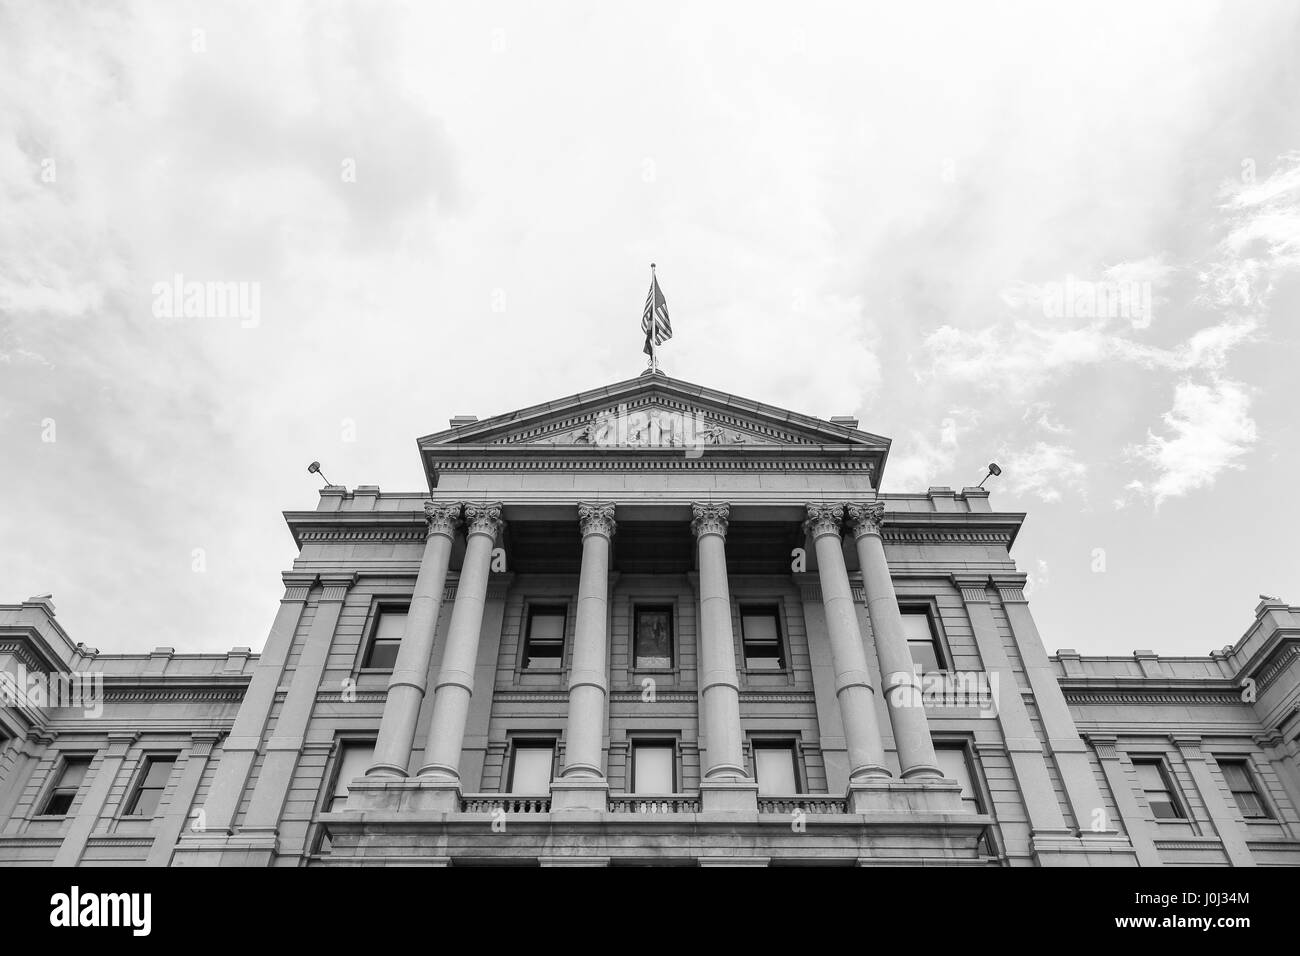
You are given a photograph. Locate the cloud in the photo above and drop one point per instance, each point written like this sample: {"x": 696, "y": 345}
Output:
{"x": 1263, "y": 239}
{"x": 1208, "y": 430}
{"x": 1039, "y": 415}
{"x": 1044, "y": 470}
{"x": 929, "y": 462}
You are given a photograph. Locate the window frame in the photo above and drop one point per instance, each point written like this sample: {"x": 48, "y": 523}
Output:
{"x": 942, "y": 655}
{"x": 668, "y": 609}
{"x": 778, "y": 741}
{"x": 327, "y": 796}
{"x": 548, "y": 609}
{"x": 147, "y": 761}
{"x": 963, "y": 747}
{"x": 651, "y": 741}
{"x": 381, "y": 607}
{"x": 531, "y": 742}
{"x": 1241, "y": 760}
{"x": 1176, "y": 799}
{"x": 756, "y": 609}
{"x": 56, "y": 781}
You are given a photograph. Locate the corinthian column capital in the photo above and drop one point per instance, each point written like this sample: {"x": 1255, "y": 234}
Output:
{"x": 867, "y": 518}
{"x": 823, "y": 519}
{"x": 483, "y": 518}
{"x": 710, "y": 519}
{"x": 443, "y": 517}
{"x": 596, "y": 518}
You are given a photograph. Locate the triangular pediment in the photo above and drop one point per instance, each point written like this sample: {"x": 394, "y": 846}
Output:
{"x": 652, "y": 411}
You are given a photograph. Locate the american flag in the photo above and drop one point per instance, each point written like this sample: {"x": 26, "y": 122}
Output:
{"x": 654, "y": 321}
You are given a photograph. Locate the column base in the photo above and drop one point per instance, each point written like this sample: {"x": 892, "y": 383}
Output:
{"x": 1086, "y": 848}
{"x": 905, "y": 796}
{"x": 729, "y": 796}
{"x": 245, "y": 848}
{"x": 380, "y": 795}
{"x": 579, "y": 795}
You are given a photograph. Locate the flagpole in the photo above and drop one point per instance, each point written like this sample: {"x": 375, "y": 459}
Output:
{"x": 654, "y": 347}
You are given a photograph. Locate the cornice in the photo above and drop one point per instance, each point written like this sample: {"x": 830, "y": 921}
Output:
{"x": 633, "y": 393}
{"x": 836, "y": 459}
{"x": 1206, "y": 696}
{"x": 318, "y": 526}
{"x": 1286, "y": 653}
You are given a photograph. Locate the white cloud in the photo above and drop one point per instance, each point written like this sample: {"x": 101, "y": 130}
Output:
{"x": 928, "y": 462}
{"x": 1209, "y": 429}
{"x": 1263, "y": 239}
{"x": 1044, "y": 470}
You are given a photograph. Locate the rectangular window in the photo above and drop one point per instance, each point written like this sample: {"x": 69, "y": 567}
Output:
{"x": 531, "y": 766}
{"x": 653, "y": 641}
{"x": 922, "y": 640}
{"x": 385, "y": 639}
{"x": 954, "y": 761}
{"x": 1242, "y": 784}
{"x": 354, "y": 760}
{"x": 1154, "y": 779}
{"x": 654, "y": 767}
{"x": 71, "y": 776}
{"x": 544, "y": 641}
{"x": 775, "y": 768}
{"x": 149, "y": 789}
{"x": 760, "y": 634}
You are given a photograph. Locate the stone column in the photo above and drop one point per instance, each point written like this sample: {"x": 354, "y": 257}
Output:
{"x": 588, "y": 686}
{"x": 260, "y": 829}
{"x": 1140, "y": 830}
{"x": 410, "y": 672}
{"x": 92, "y": 804}
{"x": 853, "y": 687}
{"x": 455, "y": 684}
{"x": 1063, "y": 739}
{"x": 172, "y": 823}
{"x": 26, "y": 758}
{"x": 916, "y": 757}
{"x": 215, "y": 843}
{"x": 1024, "y": 749}
{"x": 240, "y": 749}
{"x": 1225, "y": 815}
{"x": 719, "y": 684}
{"x": 1274, "y": 748}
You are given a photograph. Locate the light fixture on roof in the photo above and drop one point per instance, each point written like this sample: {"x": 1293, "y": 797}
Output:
{"x": 314, "y": 468}
{"x": 994, "y": 471}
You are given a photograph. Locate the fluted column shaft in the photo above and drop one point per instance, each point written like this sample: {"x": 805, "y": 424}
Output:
{"x": 455, "y": 686}
{"x": 853, "y": 688}
{"x": 720, "y": 686}
{"x": 588, "y": 687}
{"x": 407, "y": 686}
{"x": 916, "y": 756}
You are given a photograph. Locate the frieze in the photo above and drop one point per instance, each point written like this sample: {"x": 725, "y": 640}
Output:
{"x": 633, "y": 462}
{"x": 1207, "y": 697}
{"x": 364, "y": 534}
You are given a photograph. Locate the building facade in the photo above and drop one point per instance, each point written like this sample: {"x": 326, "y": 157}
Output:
{"x": 650, "y": 624}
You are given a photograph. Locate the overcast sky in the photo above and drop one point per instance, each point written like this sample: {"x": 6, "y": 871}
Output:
{"x": 450, "y": 208}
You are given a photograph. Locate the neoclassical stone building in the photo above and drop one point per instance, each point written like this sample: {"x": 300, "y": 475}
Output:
{"x": 650, "y": 623}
